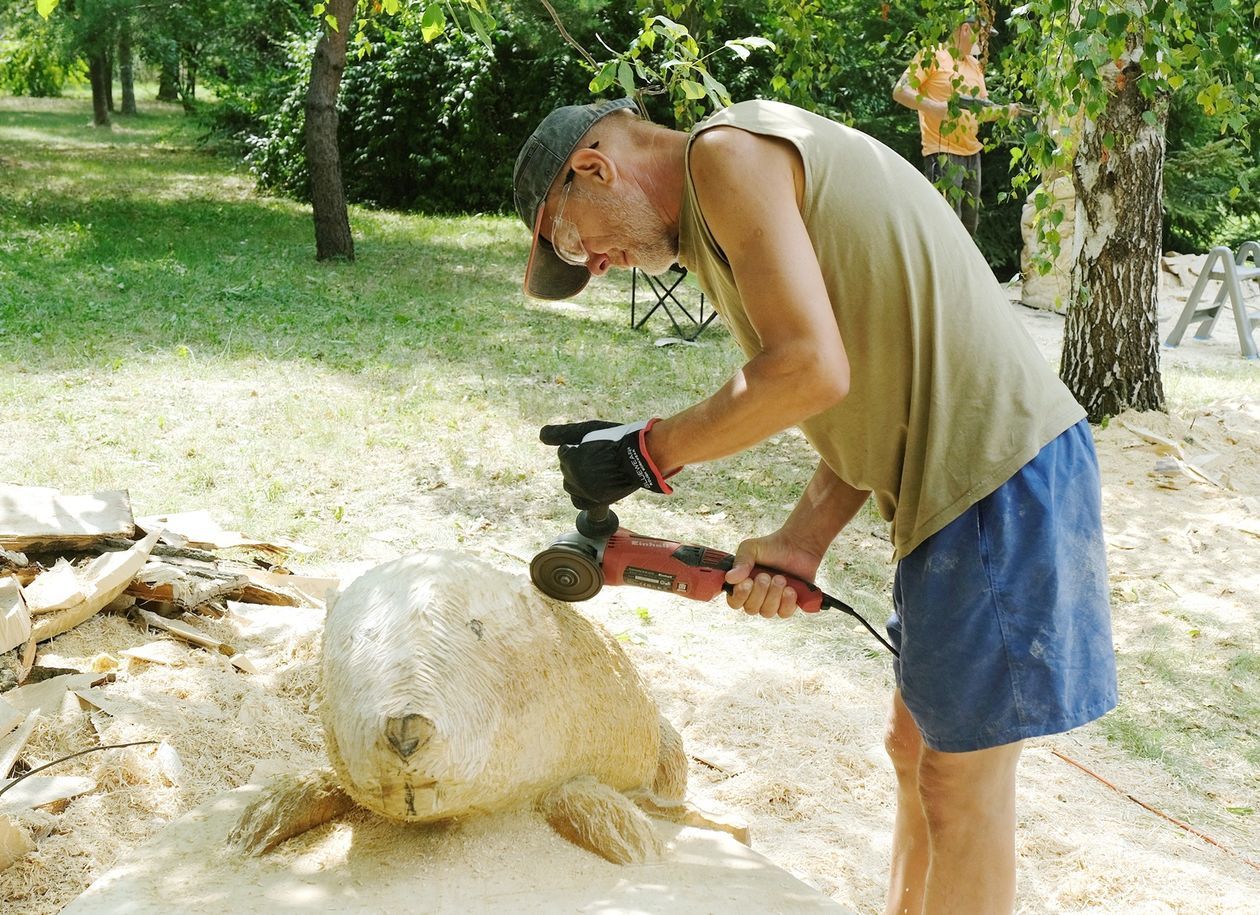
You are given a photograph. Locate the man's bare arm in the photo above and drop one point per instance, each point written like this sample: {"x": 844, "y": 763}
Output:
{"x": 749, "y": 189}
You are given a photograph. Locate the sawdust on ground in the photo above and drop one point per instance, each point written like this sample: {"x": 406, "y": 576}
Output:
{"x": 783, "y": 727}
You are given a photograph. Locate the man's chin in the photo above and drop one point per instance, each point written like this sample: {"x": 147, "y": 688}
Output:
{"x": 655, "y": 266}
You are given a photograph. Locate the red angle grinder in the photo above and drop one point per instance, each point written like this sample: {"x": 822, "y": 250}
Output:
{"x": 579, "y": 563}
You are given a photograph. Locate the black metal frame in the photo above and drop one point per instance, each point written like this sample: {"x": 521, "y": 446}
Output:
{"x": 664, "y": 291}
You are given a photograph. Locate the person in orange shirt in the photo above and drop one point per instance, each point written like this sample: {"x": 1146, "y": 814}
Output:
{"x": 951, "y": 143}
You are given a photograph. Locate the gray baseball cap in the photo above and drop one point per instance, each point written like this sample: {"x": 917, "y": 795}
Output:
{"x": 537, "y": 165}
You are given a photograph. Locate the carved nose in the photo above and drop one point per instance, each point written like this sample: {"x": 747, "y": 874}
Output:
{"x": 408, "y": 734}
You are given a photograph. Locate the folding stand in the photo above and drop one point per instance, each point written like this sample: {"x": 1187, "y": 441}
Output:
{"x": 663, "y": 287}
{"x": 1231, "y": 272}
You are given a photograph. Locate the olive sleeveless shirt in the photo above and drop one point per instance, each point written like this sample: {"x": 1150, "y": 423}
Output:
{"x": 948, "y": 394}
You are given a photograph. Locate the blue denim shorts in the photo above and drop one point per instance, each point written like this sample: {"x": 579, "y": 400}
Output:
{"x": 1002, "y": 617}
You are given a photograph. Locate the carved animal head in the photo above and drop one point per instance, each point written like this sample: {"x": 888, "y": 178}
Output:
{"x": 418, "y": 654}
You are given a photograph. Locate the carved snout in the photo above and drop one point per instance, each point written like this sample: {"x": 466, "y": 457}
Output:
{"x": 408, "y": 734}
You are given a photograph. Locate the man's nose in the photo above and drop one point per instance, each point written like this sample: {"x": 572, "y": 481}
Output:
{"x": 598, "y": 264}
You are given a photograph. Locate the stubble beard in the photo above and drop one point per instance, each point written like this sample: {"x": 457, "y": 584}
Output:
{"x": 655, "y": 246}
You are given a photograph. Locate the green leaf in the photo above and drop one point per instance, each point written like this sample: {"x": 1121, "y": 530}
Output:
{"x": 483, "y": 24}
{"x": 319, "y": 9}
{"x": 391, "y": 6}
{"x": 332, "y": 22}
{"x": 45, "y": 7}
{"x": 625, "y": 77}
{"x": 691, "y": 89}
{"x": 1117, "y": 24}
{"x": 606, "y": 76}
{"x": 433, "y": 23}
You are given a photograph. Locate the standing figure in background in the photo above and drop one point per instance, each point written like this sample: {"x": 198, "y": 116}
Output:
{"x": 951, "y": 145}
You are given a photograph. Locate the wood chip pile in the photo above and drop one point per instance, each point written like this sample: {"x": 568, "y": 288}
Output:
{"x": 66, "y": 558}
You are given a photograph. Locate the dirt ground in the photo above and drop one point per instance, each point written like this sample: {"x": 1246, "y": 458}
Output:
{"x": 782, "y": 727}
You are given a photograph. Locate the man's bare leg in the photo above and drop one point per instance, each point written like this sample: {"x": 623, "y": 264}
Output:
{"x": 910, "y": 850}
{"x": 954, "y": 838}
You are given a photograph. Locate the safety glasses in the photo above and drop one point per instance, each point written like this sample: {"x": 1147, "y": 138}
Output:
{"x": 566, "y": 240}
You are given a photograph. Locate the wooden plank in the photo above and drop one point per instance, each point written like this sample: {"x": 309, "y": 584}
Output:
{"x": 34, "y": 515}
{"x": 95, "y": 697}
{"x": 45, "y": 698}
{"x": 54, "y": 589}
{"x": 41, "y": 790}
{"x": 9, "y": 719}
{"x": 104, "y": 578}
{"x": 11, "y": 747}
{"x": 15, "y": 618}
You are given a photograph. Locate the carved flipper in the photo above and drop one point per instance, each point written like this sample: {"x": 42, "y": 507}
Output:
{"x": 594, "y": 816}
{"x": 289, "y": 805}
{"x": 670, "y": 782}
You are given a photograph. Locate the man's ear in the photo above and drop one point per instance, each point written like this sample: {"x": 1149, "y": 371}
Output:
{"x": 593, "y": 164}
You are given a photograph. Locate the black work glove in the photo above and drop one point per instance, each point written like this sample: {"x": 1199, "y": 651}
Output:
{"x": 604, "y": 462}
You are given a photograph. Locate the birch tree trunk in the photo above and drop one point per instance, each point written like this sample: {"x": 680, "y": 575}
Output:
{"x": 328, "y": 197}
{"x": 1111, "y": 343}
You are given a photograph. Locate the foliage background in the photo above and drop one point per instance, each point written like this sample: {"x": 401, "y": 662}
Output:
{"x": 434, "y": 127}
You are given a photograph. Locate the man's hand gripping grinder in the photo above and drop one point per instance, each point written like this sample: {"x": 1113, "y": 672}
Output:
{"x": 579, "y": 563}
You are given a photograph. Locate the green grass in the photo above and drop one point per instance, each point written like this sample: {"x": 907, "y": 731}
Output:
{"x": 167, "y": 330}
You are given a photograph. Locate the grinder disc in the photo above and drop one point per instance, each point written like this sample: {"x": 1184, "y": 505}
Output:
{"x": 566, "y": 572}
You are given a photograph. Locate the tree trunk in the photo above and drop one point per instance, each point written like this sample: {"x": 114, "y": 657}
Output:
{"x": 126, "y": 69}
{"x": 100, "y": 100}
{"x": 323, "y": 158}
{"x": 1111, "y": 341}
{"x": 168, "y": 83}
{"x": 109, "y": 80}
{"x": 188, "y": 81}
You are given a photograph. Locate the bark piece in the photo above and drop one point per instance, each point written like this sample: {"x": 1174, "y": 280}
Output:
{"x": 35, "y": 516}
{"x": 187, "y": 633}
{"x": 313, "y": 589}
{"x": 189, "y": 583}
{"x": 15, "y": 617}
{"x": 184, "y": 587}
{"x": 40, "y": 791}
{"x": 104, "y": 578}
{"x": 27, "y": 662}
